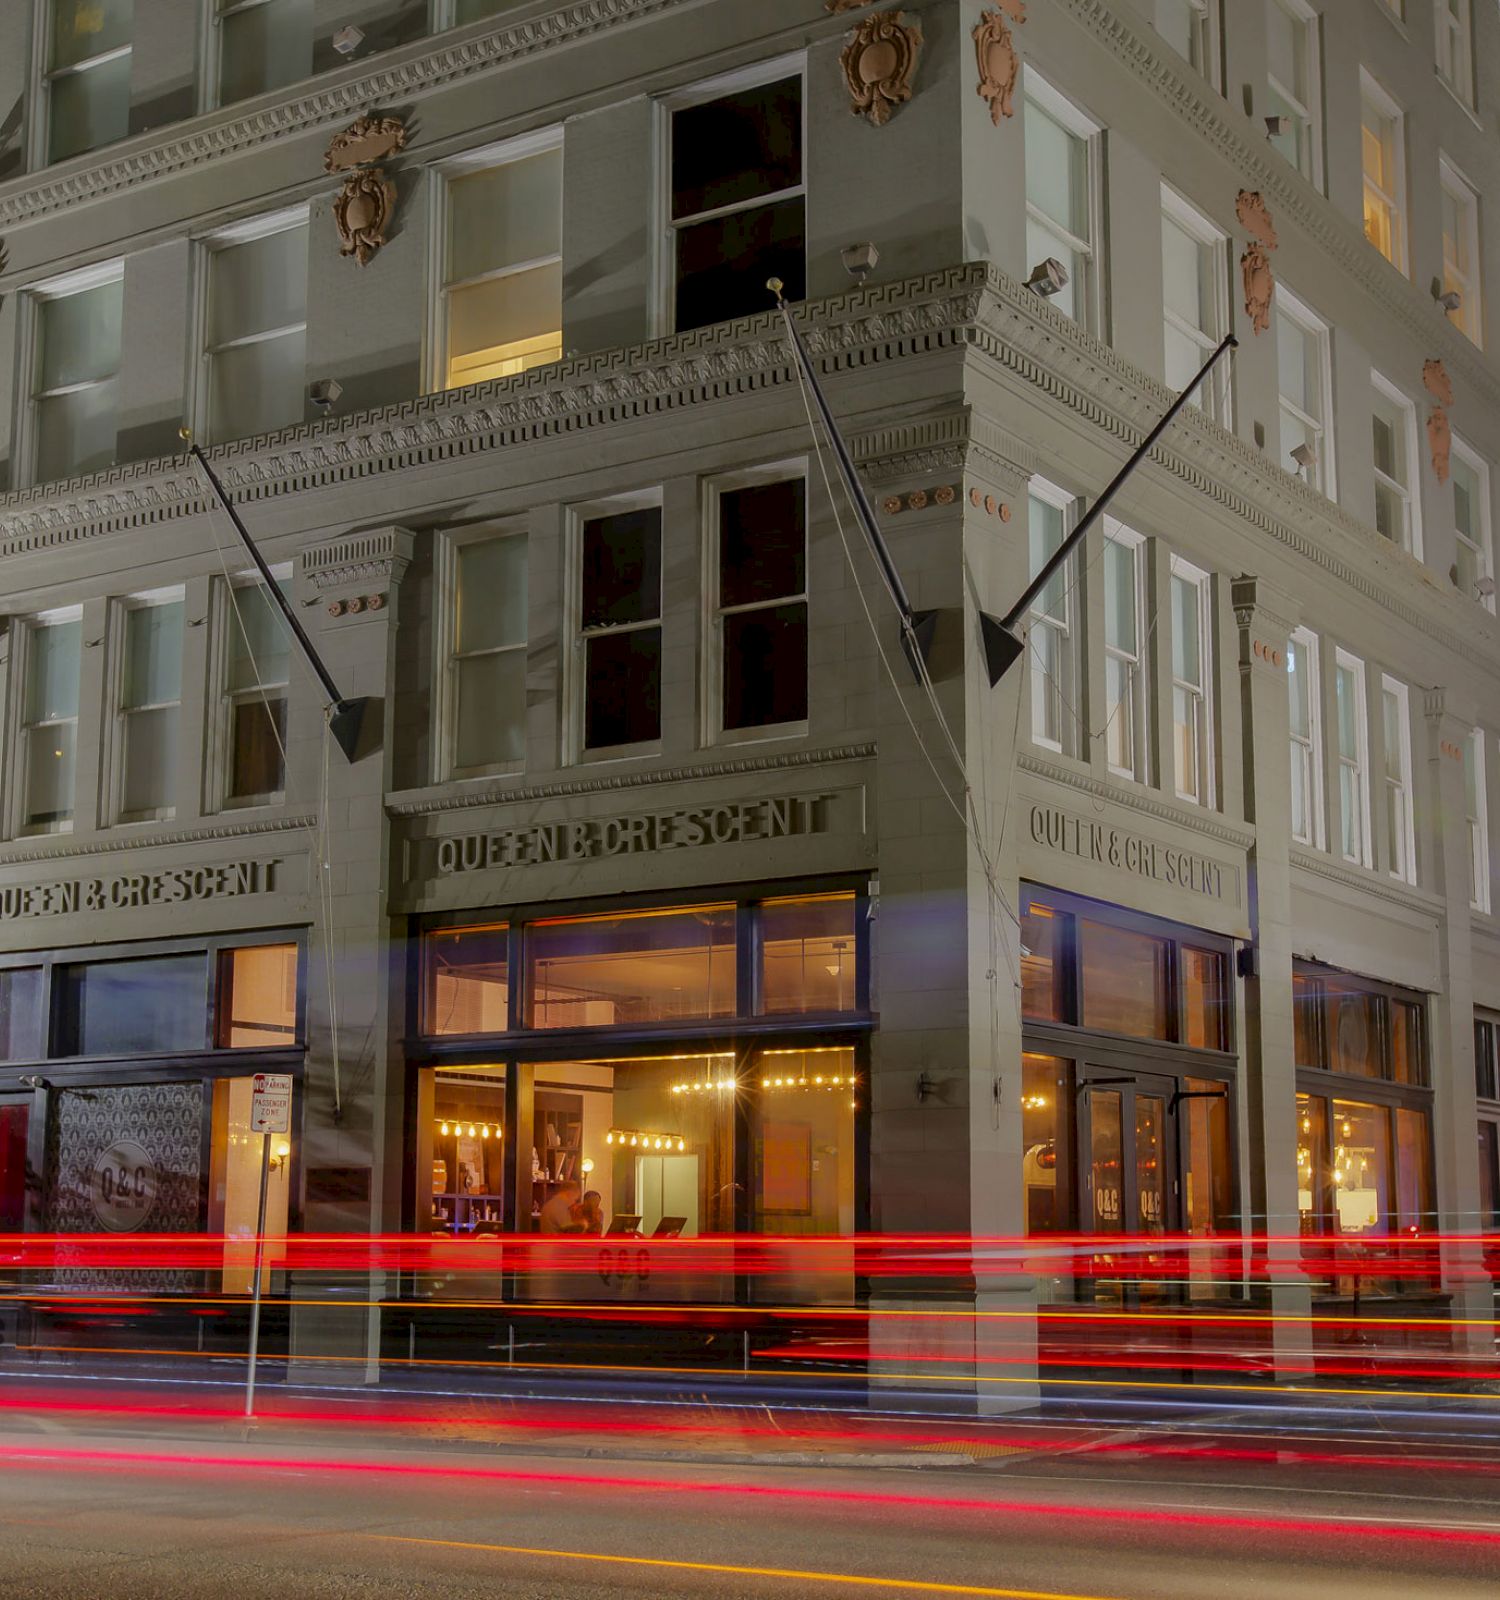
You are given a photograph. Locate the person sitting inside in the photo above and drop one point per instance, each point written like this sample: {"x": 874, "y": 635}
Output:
{"x": 558, "y": 1215}
{"x": 591, "y": 1213}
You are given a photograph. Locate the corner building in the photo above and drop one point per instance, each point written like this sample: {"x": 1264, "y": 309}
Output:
{"x": 656, "y": 872}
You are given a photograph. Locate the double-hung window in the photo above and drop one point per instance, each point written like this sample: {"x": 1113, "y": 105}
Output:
{"x": 1061, "y": 221}
{"x": 49, "y": 721}
{"x": 1353, "y": 759}
{"x": 1382, "y": 141}
{"x": 1188, "y": 26}
{"x": 1125, "y": 696}
{"x": 1455, "y": 47}
{"x": 1049, "y": 639}
{"x": 759, "y": 564}
{"x": 262, "y": 44}
{"x": 1472, "y": 562}
{"x": 1305, "y": 706}
{"x": 1292, "y": 84}
{"x": 255, "y": 349}
{"x": 1191, "y": 678}
{"x": 500, "y": 307}
{"x": 1394, "y": 424}
{"x": 1396, "y": 726}
{"x": 150, "y": 680}
{"x": 1305, "y": 392}
{"x": 257, "y": 669}
{"x": 619, "y": 639}
{"x": 482, "y": 717}
{"x": 88, "y": 74}
{"x": 736, "y": 196}
{"x": 1476, "y": 808}
{"x": 1194, "y": 301}
{"x": 76, "y": 363}
{"x": 1460, "y": 210}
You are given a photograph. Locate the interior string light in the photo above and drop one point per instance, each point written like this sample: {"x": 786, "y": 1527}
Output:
{"x": 474, "y": 1130}
{"x": 817, "y": 1081}
{"x": 705, "y": 1085}
{"x": 634, "y": 1139}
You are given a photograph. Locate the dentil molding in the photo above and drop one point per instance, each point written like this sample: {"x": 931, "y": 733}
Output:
{"x": 106, "y": 845}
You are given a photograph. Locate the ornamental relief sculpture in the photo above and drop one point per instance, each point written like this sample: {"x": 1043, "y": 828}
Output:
{"x": 1439, "y": 434}
{"x": 1255, "y": 263}
{"x": 366, "y": 202}
{"x": 879, "y": 62}
{"x": 999, "y": 60}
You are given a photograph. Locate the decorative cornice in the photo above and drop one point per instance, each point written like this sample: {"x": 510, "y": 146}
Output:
{"x": 433, "y": 802}
{"x": 1149, "y": 804}
{"x": 1368, "y": 882}
{"x": 398, "y": 78}
{"x": 379, "y": 555}
{"x": 141, "y": 840}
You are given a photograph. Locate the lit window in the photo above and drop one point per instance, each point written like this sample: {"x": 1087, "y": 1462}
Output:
{"x": 263, "y": 44}
{"x": 1305, "y": 393}
{"x": 1187, "y": 25}
{"x": 1292, "y": 83}
{"x": 1191, "y": 675}
{"x": 484, "y": 719}
{"x": 1394, "y": 422}
{"x": 1193, "y": 301}
{"x": 501, "y": 305}
{"x": 619, "y": 627}
{"x": 1124, "y": 652}
{"x": 1049, "y": 636}
{"x": 256, "y": 349}
{"x": 1455, "y": 47}
{"x": 1400, "y": 836}
{"x": 1461, "y": 251}
{"x": 808, "y": 955}
{"x": 1353, "y": 763}
{"x": 258, "y": 997}
{"x": 150, "y": 692}
{"x": 467, "y": 980}
{"x": 88, "y": 75}
{"x": 49, "y": 733}
{"x": 255, "y": 696}
{"x": 1060, "y": 180}
{"x": 737, "y": 200}
{"x": 1382, "y": 136}
{"x": 1306, "y": 729}
{"x": 760, "y": 611}
{"x": 1473, "y": 560}
{"x": 75, "y": 398}
{"x": 1476, "y": 808}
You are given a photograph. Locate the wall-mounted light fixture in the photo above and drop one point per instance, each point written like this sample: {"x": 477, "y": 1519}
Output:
{"x": 1048, "y": 278}
{"x": 1305, "y": 456}
{"x": 348, "y": 39}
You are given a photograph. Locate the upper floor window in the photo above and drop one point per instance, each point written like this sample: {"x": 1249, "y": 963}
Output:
{"x": 1394, "y": 422}
{"x": 49, "y": 721}
{"x": 1476, "y": 806}
{"x": 1305, "y": 391}
{"x": 1192, "y": 654}
{"x": 1358, "y": 1027}
{"x": 1352, "y": 757}
{"x": 76, "y": 365}
{"x": 1455, "y": 47}
{"x": 1487, "y": 1058}
{"x": 1194, "y": 302}
{"x": 1050, "y": 632}
{"x": 88, "y": 75}
{"x": 150, "y": 694}
{"x": 257, "y": 670}
{"x": 1292, "y": 85}
{"x": 1305, "y": 704}
{"x": 1061, "y": 222}
{"x": 736, "y": 196}
{"x": 1188, "y": 26}
{"x": 255, "y": 352}
{"x": 1125, "y": 697}
{"x": 1461, "y": 251}
{"x": 618, "y": 648}
{"x": 1382, "y": 141}
{"x": 1396, "y": 726}
{"x": 482, "y": 707}
{"x": 500, "y": 308}
{"x": 262, "y": 44}
{"x": 1473, "y": 555}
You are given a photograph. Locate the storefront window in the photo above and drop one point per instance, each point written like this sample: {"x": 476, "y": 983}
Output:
{"x": 258, "y": 996}
{"x": 1353, "y": 1029}
{"x": 1046, "y": 1172}
{"x": 466, "y": 1138}
{"x": 123, "y": 1007}
{"x": 234, "y": 1197}
{"x": 808, "y": 955}
{"x": 1359, "y": 1027}
{"x": 1360, "y": 1172}
{"x": 1205, "y": 999}
{"x": 1126, "y": 981}
{"x": 802, "y": 1142}
{"x": 1307, "y": 1019}
{"x": 1208, "y": 1193}
{"x": 1408, "y": 1059}
{"x": 1489, "y": 1175}
{"x": 1414, "y": 1206}
{"x": 1043, "y": 964}
{"x": 14, "y": 1118}
{"x": 1312, "y": 1139}
{"x": 468, "y": 981}
{"x": 654, "y": 966}
{"x": 21, "y": 1013}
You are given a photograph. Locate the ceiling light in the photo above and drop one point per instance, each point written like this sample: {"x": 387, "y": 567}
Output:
{"x": 1048, "y": 277}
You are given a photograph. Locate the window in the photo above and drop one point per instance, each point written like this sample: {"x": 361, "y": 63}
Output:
{"x": 22, "y": 1035}
{"x": 467, "y": 980}
{"x": 618, "y": 648}
{"x": 1471, "y": 524}
{"x": 500, "y": 309}
{"x": 255, "y": 350}
{"x": 760, "y": 610}
{"x": 1193, "y": 300}
{"x": 1486, "y": 1058}
{"x": 1307, "y": 738}
{"x": 1304, "y": 386}
{"x": 1353, "y": 763}
{"x": 257, "y": 1001}
{"x": 75, "y": 381}
{"x": 1191, "y": 676}
{"x": 808, "y": 955}
{"x": 1461, "y": 251}
{"x": 1394, "y": 425}
{"x": 110, "y": 1008}
{"x": 150, "y": 695}
{"x": 88, "y": 75}
{"x": 255, "y": 696}
{"x": 1292, "y": 84}
{"x": 1400, "y": 835}
{"x": 736, "y": 197}
{"x": 483, "y": 714}
{"x": 49, "y": 730}
{"x": 1382, "y": 140}
{"x": 1049, "y": 638}
{"x": 1476, "y": 810}
{"x": 1124, "y": 651}
{"x": 1455, "y": 47}
{"x": 263, "y": 44}
{"x": 1358, "y": 1027}
{"x": 1060, "y": 201}
{"x": 1126, "y": 979}
{"x": 1188, "y": 26}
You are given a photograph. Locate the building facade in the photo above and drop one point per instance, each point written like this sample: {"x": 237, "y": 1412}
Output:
{"x": 656, "y": 871}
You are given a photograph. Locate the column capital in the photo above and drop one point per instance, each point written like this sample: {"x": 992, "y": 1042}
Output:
{"x": 1450, "y": 716}
{"x": 374, "y": 560}
{"x": 1266, "y": 617}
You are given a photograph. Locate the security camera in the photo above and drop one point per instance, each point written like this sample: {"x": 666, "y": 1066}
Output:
{"x": 348, "y": 39}
{"x": 1048, "y": 277}
{"x": 1484, "y": 587}
{"x": 1450, "y": 300}
{"x": 1304, "y": 455}
{"x": 324, "y": 393}
{"x": 34, "y": 1080}
{"x": 1276, "y": 126}
{"x": 860, "y": 260}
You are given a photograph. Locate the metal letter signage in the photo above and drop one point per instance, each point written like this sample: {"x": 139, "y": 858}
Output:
{"x": 171, "y": 886}
{"x": 1055, "y": 829}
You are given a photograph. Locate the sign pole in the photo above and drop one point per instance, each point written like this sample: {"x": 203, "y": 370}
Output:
{"x": 260, "y": 1245}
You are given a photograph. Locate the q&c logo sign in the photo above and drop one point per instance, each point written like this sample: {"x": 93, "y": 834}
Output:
{"x": 123, "y": 1186}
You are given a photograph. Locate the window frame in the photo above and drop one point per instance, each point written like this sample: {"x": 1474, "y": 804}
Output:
{"x": 219, "y": 771}
{"x": 117, "y": 724}
{"x": 1469, "y": 318}
{"x": 1303, "y": 16}
{"x": 1455, "y": 68}
{"x": 1373, "y": 96}
{"x": 1179, "y": 568}
{"x": 45, "y": 75}
{"x": 1310, "y": 751}
{"x": 23, "y": 630}
{"x": 1476, "y": 750}
{"x": 1203, "y": 45}
{"x": 211, "y": 66}
{"x": 1359, "y": 763}
{"x": 1090, "y": 296}
{"x": 1138, "y": 770}
{"x": 1406, "y": 869}
{"x": 1483, "y": 550}
{"x": 1217, "y": 405}
{"x": 1409, "y": 492}
{"x": 1311, "y": 325}
{"x": 1068, "y": 574}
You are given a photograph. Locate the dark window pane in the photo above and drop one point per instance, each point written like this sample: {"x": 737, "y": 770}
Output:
{"x": 1353, "y": 1029}
{"x": 13, "y": 1122}
{"x": 763, "y": 542}
{"x": 622, "y": 568}
{"x": 1125, "y": 980}
{"x": 1205, "y": 999}
{"x": 1408, "y": 1058}
{"x": 735, "y": 149}
{"x": 1414, "y": 1208}
{"x": 1043, "y": 971}
{"x": 765, "y": 666}
{"x": 622, "y": 688}
{"x": 468, "y": 981}
{"x": 1307, "y": 1020}
{"x": 255, "y": 766}
{"x": 21, "y": 1013}
{"x": 1486, "y": 1075}
{"x": 118, "y": 1007}
{"x": 723, "y": 265}
{"x": 1489, "y": 1175}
